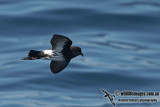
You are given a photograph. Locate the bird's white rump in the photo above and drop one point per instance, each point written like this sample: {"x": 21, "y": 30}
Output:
{"x": 53, "y": 55}
{"x": 48, "y": 52}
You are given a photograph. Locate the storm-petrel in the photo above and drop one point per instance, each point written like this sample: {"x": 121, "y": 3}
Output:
{"x": 60, "y": 54}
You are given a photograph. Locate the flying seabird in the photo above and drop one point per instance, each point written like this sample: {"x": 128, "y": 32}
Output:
{"x": 60, "y": 54}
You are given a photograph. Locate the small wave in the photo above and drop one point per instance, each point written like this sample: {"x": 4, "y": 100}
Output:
{"x": 121, "y": 45}
{"x": 141, "y": 3}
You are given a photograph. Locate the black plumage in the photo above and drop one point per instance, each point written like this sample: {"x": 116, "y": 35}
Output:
{"x": 63, "y": 44}
{"x": 60, "y": 54}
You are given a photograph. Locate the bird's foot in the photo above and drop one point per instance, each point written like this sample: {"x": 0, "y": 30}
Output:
{"x": 28, "y": 58}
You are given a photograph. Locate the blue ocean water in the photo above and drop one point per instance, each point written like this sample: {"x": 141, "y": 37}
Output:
{"x": 120, "y": 40}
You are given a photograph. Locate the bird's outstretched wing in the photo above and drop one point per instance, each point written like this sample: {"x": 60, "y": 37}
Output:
{"x": 57, "y": 66}
{"x": 60, "y": 42}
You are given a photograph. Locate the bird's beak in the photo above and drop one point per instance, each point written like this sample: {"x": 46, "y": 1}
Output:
{"x": 82, "y": 54}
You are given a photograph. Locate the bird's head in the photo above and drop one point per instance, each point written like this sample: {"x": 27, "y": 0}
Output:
{"x": 76, "y": 51}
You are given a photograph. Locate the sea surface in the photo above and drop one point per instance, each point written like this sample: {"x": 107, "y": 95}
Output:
{"x": 120, "y": 40}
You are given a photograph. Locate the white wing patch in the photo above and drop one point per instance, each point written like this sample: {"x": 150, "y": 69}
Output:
{"x": 53, "y": 55}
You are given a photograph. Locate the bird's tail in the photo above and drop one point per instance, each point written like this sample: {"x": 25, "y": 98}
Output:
{"x": 33, "y": 54}
{"x": 36, "y": 54}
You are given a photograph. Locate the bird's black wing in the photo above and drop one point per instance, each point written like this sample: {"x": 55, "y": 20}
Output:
{"x": 57, "y": 66}
{"x": 60, "y": 42}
